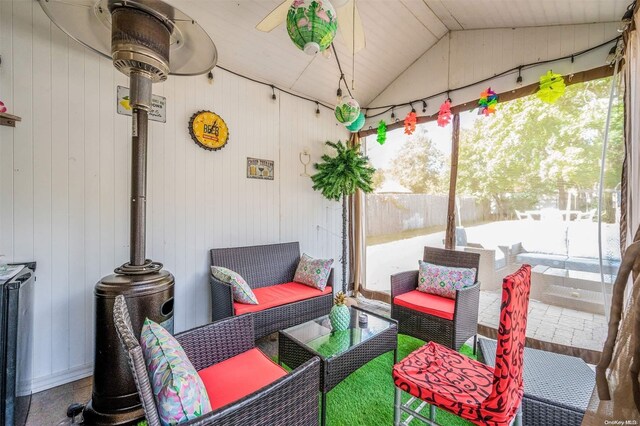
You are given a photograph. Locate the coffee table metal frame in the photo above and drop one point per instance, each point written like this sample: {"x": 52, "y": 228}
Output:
{"x": 334, "y": 369}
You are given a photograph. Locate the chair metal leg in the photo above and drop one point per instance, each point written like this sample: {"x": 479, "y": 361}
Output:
{"x": 517, "y": 420}
{"x": 397, "y": 412}
{"x": 432, "y": 412}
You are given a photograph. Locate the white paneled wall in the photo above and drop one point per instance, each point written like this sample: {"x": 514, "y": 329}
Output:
{"x": 64, "y": 181}
{"x": 461, "y": 58}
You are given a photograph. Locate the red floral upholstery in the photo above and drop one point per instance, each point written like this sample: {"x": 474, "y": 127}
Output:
{"x": 465, "y": 387}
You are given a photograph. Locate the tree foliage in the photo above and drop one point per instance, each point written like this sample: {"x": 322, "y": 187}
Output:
{"x": 530, "y": 149}
{"x": 420, "y": 166}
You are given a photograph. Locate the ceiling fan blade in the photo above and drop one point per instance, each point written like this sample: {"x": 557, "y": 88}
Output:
{"x": 351, "y": 27}
{"x": 276, "y": 17}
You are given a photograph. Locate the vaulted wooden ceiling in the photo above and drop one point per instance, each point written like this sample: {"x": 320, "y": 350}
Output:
{"x": 398, "y": 32}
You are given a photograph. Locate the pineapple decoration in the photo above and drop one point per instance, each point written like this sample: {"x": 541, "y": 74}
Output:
{"x": 340, "y": 315}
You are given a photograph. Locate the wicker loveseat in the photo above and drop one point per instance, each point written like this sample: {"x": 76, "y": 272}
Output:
{"x": 269, "y": 271}
{"x": 289, "y": 400}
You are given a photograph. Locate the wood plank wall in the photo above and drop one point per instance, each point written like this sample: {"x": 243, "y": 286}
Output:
{"x": 64, "y": 181}
{"x": 464, "y": 57}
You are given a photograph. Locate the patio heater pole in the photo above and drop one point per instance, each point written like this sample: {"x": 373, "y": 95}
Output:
{"x": 450, "y": 235}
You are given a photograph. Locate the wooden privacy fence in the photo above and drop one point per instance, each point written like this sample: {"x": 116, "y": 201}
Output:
{"x": 393, "y": 213}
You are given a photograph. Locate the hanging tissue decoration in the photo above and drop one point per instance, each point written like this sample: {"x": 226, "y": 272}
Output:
{"x": 488, "y": 101}
{"x": 382, "y": 132}
{"x": 347, "y": 110}
{"x": 357, "y": 124}
{"x": 410, "y": 123}
{"x": 2, "y": 107}
{"x": 551, "y": 87}
{"x": 444, "y": 115}
{"x": 312, "y": 25}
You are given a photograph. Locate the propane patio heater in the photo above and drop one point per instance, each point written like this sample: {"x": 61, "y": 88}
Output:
{"x": 147, "y": 40}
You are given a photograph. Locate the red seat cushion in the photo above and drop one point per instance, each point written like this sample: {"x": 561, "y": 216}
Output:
{"x": 278, "y": 295}
{"x": 239, "y": 376}
{"x": 438, "y": 306}
{"x": 449, "y": 380}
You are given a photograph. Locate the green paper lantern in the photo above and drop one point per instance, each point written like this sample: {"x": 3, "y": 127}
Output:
{"x": 312, "y": 25}
{"x": 357, "y": 124}
{"x": 347, "y": 111}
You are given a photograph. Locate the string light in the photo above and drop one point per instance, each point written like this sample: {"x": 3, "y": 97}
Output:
{"x": 393, "y": 115}
{"x": 317, "y": 108}
{"x": 273, "y": 92}
{"x": 386, "y": 108}
{"x": 210, "y": 77}
{"x": 519, "y": 79}
{"x": 424, "y": 106}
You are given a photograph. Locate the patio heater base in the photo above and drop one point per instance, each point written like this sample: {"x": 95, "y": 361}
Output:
{"x": 114, "y": 399}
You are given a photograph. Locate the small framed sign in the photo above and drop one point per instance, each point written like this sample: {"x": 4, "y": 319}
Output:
{"x": 259, "y": 169}
{"x": 158, "y": 105}
{"x": 208, "y": 130}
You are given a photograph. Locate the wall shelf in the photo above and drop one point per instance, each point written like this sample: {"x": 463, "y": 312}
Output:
{"x": 8, "y": 119}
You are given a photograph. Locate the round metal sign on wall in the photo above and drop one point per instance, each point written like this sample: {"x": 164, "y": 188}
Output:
{"x": 208, "y": 130}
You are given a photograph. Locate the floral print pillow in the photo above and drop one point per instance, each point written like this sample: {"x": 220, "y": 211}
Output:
{"x": 444, "y": 280}
{"x": 240, "y": 289}
{"x": 178, "y": 390}
{"x": 313, "y": 272}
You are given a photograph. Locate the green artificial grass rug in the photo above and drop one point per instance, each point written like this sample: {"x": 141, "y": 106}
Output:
{"x": 366, "y": 396}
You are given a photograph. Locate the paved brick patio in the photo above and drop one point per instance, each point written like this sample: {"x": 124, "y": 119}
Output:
{"x": 551, "y": 323}
{"x": 546, "y": 322}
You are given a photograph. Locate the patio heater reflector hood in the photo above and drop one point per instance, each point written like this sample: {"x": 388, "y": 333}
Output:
{"x": 147, "y": 40}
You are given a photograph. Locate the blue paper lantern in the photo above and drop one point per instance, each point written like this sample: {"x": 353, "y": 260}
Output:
{"x": 357, "y": 124}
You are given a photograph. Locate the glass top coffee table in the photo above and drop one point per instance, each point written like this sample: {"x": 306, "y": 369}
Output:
{"x": 341, "y": 352}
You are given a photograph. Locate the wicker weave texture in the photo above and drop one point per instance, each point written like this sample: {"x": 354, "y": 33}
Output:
{"x": 216, "y": 342}
{"x": 557, "y": 388}
{"x": 138, "y": 367}
{"x": 260, "y": 266}
{"x": 263, "y": 266}
{"x": 337, "y": 368}
{"x": 452, "y": 258}
{"x": 452, "y": 334}
{"x": 291, "y": 400}
{"x": 285, "y": 316}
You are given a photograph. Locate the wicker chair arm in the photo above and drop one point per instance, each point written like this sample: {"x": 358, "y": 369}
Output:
{"x": 221, "y": 299}
{"x": 220, "y": 340}
{"x": 403, "y": 282}
{"x": 330, "y": 280}
{"x": 467, "y": 302}
{"x": 289, "y": 401}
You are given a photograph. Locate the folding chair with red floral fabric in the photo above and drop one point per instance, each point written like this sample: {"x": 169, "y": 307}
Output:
{"x": 446, "y": 379}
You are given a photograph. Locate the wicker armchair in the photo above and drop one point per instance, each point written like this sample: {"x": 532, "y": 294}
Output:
{"x": 263, "y": 266}
{"x": 290, "y": 400}
{"x": 451, "y": 333}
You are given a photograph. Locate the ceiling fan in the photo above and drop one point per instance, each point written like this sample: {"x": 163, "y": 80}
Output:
{"x": 349, "y": 21}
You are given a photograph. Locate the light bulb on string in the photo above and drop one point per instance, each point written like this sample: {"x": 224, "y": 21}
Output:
{"x": 424, "y": 106}
{"x": 339, "y": 94}
{"x": 393, "y": 115}
{"x": 519, "y": 79}
{"x": 317, "y": 108}
{"x": 273, "y": 93}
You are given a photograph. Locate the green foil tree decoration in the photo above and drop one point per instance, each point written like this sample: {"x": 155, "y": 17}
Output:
{"x": 382, "y": 132}
{"x": 339, "y": 177}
